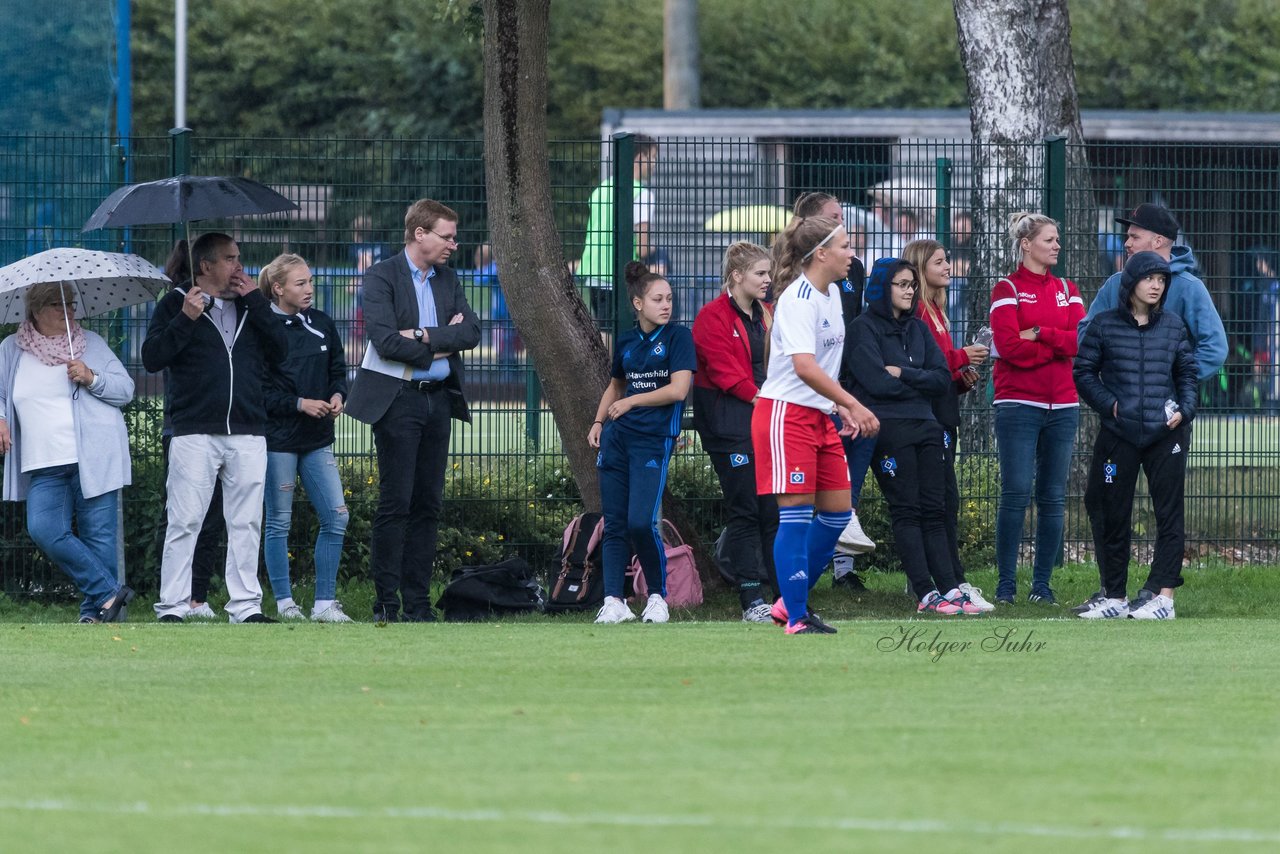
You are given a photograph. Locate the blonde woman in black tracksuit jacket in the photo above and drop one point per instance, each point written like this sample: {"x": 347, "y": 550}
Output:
{"x": 305, "y": 392}
{"x": 1137, "y": 369}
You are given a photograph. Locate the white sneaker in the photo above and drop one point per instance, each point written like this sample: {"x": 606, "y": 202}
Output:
{"x": 332, "y": 613}
{"x": 614, "y": 610}
{"x": 656, "y": 610}
{"x": 1155, "y": 608}
{"x": 761, "y": 613}
{"x": 975, "y": 596}
{"x": 202, "y": 610}
{"x": 853, "y": 540}
{"x": 289, "y": 611}
{"x": 1106, "y": 609}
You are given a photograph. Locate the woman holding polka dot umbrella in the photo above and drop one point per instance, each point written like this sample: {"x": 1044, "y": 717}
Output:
{"x": 66, "y": 450}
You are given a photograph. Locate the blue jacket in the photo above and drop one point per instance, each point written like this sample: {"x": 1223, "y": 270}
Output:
{"x": 1189, "y": 299}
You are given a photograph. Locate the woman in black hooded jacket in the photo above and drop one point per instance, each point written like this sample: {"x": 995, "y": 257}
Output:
{"x": 1136, "y": 368}
{"x": 897, "y": 371}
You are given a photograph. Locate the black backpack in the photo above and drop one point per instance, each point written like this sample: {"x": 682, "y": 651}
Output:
{"x": 580, "y": 583}
{"x": 480, "y": 592}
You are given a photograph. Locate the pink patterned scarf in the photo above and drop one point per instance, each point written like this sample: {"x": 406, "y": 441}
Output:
{"x": 51, "y": 351}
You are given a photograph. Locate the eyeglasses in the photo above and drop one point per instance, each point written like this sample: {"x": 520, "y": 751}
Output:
{"x": 452, "y": 241}
{"x": 908, "y": 285}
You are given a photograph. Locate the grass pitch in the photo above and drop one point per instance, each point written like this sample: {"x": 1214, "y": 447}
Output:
{"x": 985, "y": 734}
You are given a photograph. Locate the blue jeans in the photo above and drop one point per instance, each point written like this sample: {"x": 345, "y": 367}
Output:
{"x": 90, "y": 558}
{"x": 1032, "y": 441}
{"x": 858, "y": 452}
{"x": 319, "y": 471}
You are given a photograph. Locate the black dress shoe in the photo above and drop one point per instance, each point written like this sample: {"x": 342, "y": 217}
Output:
{"x": 427, "y": 616}
{"x": 382, "y": 615}
{"x": 171, "y": 618}
{"x": 259, "y": 617}
{"x": 111, "y": 613}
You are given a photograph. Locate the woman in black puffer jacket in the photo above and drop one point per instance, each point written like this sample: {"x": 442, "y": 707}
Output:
{"x": 1136, "y": 368}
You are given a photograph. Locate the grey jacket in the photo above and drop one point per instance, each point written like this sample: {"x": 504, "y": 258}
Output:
{"x": 102, "y": 443}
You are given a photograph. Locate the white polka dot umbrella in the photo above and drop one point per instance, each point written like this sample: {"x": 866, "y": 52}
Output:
{"x": 102, "y": 281}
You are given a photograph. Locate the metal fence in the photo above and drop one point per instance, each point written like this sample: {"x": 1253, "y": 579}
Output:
{"x": 508, "y": 477}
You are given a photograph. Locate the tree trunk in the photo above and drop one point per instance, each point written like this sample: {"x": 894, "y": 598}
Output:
{"x": 561, "y": 339}
{"x": 1022, "y": 89}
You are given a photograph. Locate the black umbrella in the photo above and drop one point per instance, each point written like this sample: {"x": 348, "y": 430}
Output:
{"x": 185, "y": 198}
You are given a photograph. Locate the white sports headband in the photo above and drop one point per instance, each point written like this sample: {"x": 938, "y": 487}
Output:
{"x": 823, "y": 242}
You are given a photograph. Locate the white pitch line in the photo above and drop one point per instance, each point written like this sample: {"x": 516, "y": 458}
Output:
{"x": 495, "y": 816}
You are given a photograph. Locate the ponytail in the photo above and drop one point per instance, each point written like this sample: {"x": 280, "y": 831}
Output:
{"x": 795, "y": 244}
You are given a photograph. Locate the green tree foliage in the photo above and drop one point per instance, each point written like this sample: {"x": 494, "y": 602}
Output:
{"x": 827, "y": 54}
{"x": 57, "y": 67}
{"x": 299, "y": 67}
{"x": 412, "y": 67}
{"x": 1177, "y": 54}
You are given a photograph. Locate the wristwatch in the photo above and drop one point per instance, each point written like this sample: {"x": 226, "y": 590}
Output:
{"x": 1035, "y": 330}
{"x": 417, "y": 333}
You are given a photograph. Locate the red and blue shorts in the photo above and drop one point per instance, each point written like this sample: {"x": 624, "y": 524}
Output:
{"x": 797, "y": 449}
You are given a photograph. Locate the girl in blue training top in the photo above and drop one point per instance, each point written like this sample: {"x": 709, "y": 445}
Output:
{"x": 635, "y": 429}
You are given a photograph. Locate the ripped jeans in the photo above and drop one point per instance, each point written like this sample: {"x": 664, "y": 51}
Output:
{"x": 319, "y": 472}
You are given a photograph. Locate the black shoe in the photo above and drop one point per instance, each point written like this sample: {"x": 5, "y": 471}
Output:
{"x": 1088, "y": 604}
{"x": 87, "y": 619}
{"x": 1042, "y": 596}
{"x": 111, "y": 613}
{"x": 258, "y": 617}
{"x": 849, "y": 582}
{"x": 382, "y": 615}
{"x": 170, "y": 618}
{"x": 811, "y": 624}
{"x": 427, "y": 616}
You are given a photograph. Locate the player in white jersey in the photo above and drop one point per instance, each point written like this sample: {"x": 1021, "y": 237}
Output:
{"x": 799, "y": 456}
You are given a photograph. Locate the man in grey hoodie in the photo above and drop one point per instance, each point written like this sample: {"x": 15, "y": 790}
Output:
{"x": 1153, "y": 228}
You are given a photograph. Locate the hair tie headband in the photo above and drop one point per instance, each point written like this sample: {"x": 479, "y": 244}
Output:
{"x": 823, "y": 242}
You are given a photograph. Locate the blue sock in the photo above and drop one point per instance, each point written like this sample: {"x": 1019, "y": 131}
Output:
{"x": 790, "y": 558}
{"x": 821, "y": 544}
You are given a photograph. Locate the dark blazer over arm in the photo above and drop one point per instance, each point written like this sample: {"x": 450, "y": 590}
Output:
{"x": 391, "y": 304}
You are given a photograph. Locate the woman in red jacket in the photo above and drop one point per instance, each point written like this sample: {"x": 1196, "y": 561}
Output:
{"x": 731, "y": 338}
{"x": 1034, "y": 316}
{"x": 930, "y": 258}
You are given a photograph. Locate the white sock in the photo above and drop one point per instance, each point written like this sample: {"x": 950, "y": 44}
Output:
{"x": 321, "y": 606}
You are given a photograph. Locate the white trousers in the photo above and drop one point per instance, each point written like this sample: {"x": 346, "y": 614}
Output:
{"x": 195, "y": 464}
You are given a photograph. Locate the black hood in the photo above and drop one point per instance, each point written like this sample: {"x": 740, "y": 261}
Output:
{"x": 879, "y": 291}
{"x": 1137, "y": 268}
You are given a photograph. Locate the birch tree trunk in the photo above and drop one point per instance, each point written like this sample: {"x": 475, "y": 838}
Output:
{"x": 557, "y": 330}
{"x": 1022, "y": 89}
